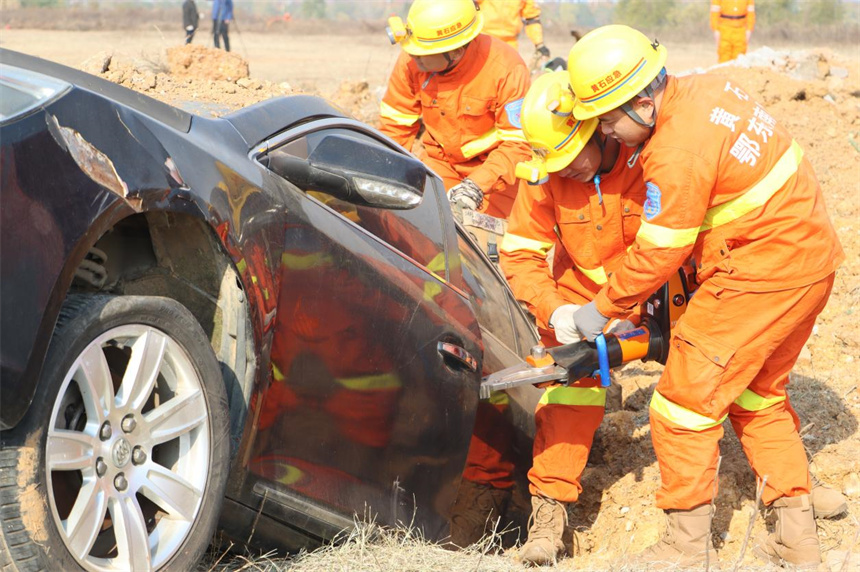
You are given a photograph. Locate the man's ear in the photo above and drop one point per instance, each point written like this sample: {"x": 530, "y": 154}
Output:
{"x": 645, "y": 107}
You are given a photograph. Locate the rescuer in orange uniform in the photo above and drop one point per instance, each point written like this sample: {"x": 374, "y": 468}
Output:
{"x": 732, "y": 22}
{"x": 727, "y": 184}
{"x": 581, "y": 184}
{"x": 467, "y": 88}
{"x": 504, "y": 19}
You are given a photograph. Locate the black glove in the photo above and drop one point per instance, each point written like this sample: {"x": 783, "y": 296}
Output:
{"x": 542, "y": 50}
{"x": 589, "y": 321}
{"x": 468, "y": 194}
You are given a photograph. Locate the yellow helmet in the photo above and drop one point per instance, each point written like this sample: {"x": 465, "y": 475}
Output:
{"x": 609, "y": 66}
{"x": 555, "y": 135}
{"x": 436, "y": 26}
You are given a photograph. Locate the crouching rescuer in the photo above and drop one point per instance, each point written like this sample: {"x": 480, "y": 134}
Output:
{"x": 579, "y": 182}
{"x": 728, "y": 185}
{"x": 467, "y": 89}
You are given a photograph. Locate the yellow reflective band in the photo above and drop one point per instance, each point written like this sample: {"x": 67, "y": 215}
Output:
{"x": 759, "y": 194}
{"x": 276, "y": 373}
{"x": 512, "y": 135}
{"x": 291, "y": 475}
{"x": 431, "y": 290}
{"x": 681, "y": 415}
{"x": 490, "y": 138}
{"x": 241, "y": 266}
{"x": 664, "y": 237}
{"x": 596, "y": 275}
{"x": 754, "y": 402}
{"x": 514, "y": 242}
{"x": 370, "y": 382}
{"x": 305, "y": 261}
{"x": 437, "y": 264}
{"x": 561, "y": 395}
{"x": 499, "y": 398}
{"x": 397, "y": 116}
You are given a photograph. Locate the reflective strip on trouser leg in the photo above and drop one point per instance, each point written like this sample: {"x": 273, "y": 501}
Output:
{"x": 762, "y": 417}
{"x": 565, "y": 421}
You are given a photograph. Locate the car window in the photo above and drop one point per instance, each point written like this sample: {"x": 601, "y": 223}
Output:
{"x": 491, "y": 297}
{"x": 416, "y": 232}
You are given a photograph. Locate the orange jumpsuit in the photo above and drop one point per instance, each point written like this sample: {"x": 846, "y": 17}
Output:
{"x": 732, "y": 19}
{"x": 471, "y": 116}
{"x": 594, "y": 233}
{"x": 727, "y": 184}
{"x": 504, "y": 19}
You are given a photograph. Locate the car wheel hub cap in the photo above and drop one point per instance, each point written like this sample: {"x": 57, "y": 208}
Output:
{"x": 121, "y": 452}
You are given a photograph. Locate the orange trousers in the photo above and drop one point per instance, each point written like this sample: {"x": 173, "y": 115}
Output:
{"x": 565, "y": 421}
{"x": 490, "y": 459}
{"x": 730, "y": 357}
{"x": 733, "y": 42}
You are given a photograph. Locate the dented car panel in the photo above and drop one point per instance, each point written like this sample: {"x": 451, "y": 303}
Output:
{"x": 352, "y": 339}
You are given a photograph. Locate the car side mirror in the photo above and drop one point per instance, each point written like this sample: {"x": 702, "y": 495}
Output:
{"x": 355, "y": 171}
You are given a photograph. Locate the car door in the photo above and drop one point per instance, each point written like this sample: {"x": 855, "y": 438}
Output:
{"x": 375, "y": 359}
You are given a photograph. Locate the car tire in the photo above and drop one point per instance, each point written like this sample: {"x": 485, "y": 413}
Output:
{"x": 122, "y": 459}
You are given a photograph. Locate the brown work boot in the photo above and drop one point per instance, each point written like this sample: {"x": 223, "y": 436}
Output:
{"x": 476, "y": 510}
{"x": 686, "y": 543}
{"x": 827, "y": 502}
{"x": 547, "y": 526}
{"x": 794, "y": 540}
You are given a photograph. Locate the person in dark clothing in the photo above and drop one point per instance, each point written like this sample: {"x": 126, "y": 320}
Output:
{"x": 190, "y": 19}
{"x": 222, "y": 14}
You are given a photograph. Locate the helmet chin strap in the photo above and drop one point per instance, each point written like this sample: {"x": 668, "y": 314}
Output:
{"x": 627, "y": 108}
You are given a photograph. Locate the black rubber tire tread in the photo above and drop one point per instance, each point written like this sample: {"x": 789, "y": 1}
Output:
{"x": 80, "y": 314}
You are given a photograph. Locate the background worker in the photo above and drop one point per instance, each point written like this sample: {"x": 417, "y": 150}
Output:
{"x": 467, "y": 88}
{"x": 190, "y": 19}
{"x": 732, "y": 22}
{"x": 728, "y": 185}
{"x": 222, "y": 15}
{"x": 504, "y": 19}
{"x": 594, "y": 199}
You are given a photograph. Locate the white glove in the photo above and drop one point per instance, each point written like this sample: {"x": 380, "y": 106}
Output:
{"x": 468, "y": 194}
{"x": 562, "y": 322}
{"x": 619, "y": 326}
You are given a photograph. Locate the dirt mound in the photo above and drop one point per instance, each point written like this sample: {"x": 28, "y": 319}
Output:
{"x": 201, "y": 62}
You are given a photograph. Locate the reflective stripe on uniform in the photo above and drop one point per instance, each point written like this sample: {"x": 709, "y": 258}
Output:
{"x": 489, "y": 139}
{"x": 752, "y": 401}
{"x": 397, "y": 116}
{"x": 514, "y": 242}
{"x": 596, "y": 275}
{"x": 561, "y": 395}
{"x": 681, "y": 415}
{"x": 753, "y": 198}
{"x": 370, "y": 382}
{"x": 499, "y": 398}
{"x": 305, "y": 261}
{"x": 276, "y": 373}
{"x": 665, "y": 237}
{"x": 759, "y": 194}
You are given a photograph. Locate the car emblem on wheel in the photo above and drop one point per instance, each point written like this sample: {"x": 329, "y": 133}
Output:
{"x": 121, "y": 452}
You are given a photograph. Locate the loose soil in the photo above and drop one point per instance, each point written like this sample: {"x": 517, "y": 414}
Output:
{"x": 615, "y": 516}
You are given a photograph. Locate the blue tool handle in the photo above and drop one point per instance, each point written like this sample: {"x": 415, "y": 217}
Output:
{"x": 602, "y": 360}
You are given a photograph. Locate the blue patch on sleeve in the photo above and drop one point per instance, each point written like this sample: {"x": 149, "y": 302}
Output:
{"x": 652, "y": 207}
{"x": 513, "y": 109}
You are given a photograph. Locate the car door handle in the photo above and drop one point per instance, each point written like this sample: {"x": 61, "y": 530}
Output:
{"x": 459, "y": 354}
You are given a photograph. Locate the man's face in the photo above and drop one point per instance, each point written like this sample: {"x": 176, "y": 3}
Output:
{"x": 618, "y": 125}
{"x": 436, "y": 63}
{"x": 585, "y": 165}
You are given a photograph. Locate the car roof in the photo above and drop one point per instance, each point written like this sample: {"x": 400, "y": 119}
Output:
{"x": 162, "y": 112}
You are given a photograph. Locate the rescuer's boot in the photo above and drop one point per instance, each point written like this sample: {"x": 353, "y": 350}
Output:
{"x": 794, "y": 539}
{"x": 686, "y": 543}
{"x": 547, "y": 525}
{"x": 476, "y": 510}
{"x": 827, "y": 502}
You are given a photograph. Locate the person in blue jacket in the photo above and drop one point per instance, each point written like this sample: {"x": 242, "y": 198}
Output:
{"x": 222, "y": 15}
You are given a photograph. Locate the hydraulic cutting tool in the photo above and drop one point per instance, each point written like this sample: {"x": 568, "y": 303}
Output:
{"x": 569, "y": 363}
